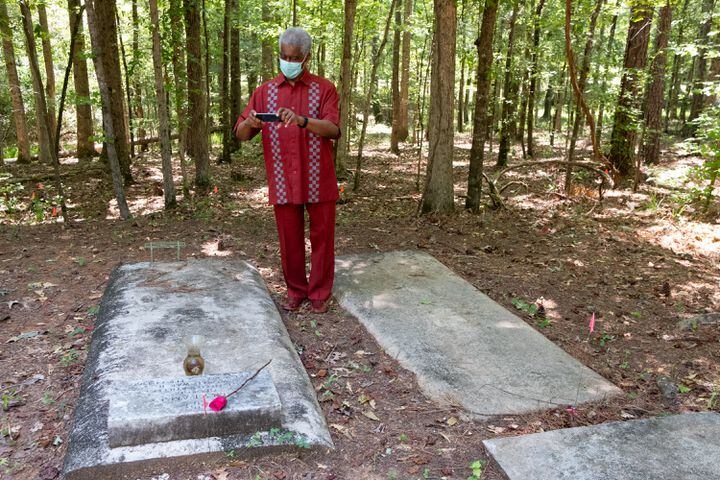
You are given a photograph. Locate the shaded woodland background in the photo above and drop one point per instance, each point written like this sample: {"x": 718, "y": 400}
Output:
{"x": 622, "y": 76}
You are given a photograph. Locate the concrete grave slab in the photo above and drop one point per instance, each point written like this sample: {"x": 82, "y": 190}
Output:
{"x": 463, "y": 347}
{"x": 684, "y": 446}
{"x": 146, "y": 313}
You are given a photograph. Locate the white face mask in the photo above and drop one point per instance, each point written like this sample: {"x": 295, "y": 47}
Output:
{"x": 291, "y": 69}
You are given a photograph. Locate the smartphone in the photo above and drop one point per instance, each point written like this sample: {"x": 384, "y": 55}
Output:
{"x": 267, "y": 117}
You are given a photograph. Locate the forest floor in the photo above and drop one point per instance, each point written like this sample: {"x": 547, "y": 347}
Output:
{"x": 642, "y": 262}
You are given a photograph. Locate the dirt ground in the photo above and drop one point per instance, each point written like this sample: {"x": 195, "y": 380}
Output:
{"x": 639, "y": 261}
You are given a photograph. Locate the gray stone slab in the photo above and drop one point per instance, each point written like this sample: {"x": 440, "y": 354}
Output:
{"x": 463, "y": 347}
{"x": 146, "y": 411}
{"x": 685, "y": 446}
{"x": 147, "y": 311}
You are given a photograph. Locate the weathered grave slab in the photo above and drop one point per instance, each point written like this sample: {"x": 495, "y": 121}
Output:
{"x": 463, "y": 347}
{"x": 675, "y": 447}
{"x": 146, "y": 411}
{"x": 146, "y": 313}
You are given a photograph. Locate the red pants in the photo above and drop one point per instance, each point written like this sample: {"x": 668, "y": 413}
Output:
{"x": 290, "y": 220}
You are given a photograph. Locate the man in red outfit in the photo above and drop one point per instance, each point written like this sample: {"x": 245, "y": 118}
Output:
{"x": 298, "y": 154}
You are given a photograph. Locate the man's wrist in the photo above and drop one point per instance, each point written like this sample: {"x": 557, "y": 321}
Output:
{"x": 304, "y": 122}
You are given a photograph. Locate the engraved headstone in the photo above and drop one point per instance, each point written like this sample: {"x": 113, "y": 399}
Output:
{"x": 147, "y": 411}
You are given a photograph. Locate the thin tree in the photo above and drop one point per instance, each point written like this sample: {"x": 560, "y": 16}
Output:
{"x": 163, "y": 113}
{"x": 105, "y": 17}
{"x": 42, "y": 120}
{"x": 624, "y": 133}
{"x": 128, "y": 90}
{"x": 533, "y": 79}
{"x": 198, "y": 128}
{"x": 225, "y": 84}
{"x": 581, "y": 85}
{"x": 56, "y": 147}
{"x": 678, "y": 61}
{"x": 345, "y": 90}
{"x": 236, "y": 103}
{"x": 49, "y": 66}
{"x": 507, "y": 110}
{"x": 481, "y": 119}
{"x": 604, "y": 76}
{"x": 403, "y": 125}
{"x": 109, "y": 120}
{"x": 698, "y": 95}
{"x": 395, "y": 82}
{"x": 438, "y": 195}
{"x": 268, "y": 56}
{"x": 18, "y": 106}
{"x": 135, "y": 76}
{"x": 180, "y": 82}
{"x": 654, "y": 98}
{"x": 83, "y": 113}
{"x": 370, "y": 93}
{"x": 461, "y": 90}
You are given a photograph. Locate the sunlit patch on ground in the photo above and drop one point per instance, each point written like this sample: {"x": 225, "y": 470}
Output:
{"x": 685, "y": 237}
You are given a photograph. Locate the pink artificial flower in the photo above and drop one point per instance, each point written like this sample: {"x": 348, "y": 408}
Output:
{"x": 218, "y": 403}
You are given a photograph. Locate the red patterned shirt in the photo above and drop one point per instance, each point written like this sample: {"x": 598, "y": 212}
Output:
{"x": 299, "y": 164}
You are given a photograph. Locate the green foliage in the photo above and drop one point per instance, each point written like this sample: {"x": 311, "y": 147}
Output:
{"x": 708, "y": 145}
{"x": 477, "y": 468}
{"x": 529, "y": 308}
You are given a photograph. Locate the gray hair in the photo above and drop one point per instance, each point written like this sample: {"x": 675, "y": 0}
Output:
{"x": 296, "y": 37}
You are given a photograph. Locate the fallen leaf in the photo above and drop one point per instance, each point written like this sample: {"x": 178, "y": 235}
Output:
{"x": 369, "y": 414}
{"x": 496, "y": 430}
{"x": 452, "y": 421}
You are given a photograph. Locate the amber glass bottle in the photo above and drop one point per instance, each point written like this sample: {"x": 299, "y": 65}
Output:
{"x": 194, "y": 363}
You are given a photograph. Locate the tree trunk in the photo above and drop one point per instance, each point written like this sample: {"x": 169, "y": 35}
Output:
{"x": 135, "y": 75}
{"x": 461, "y": 90}
{"x": 45, "y": 139}
{"x": 104, "y": 11}
{"x": 654, "y": 98}
{"x": 21, "y": 129}
{"x": 345, "y": 90}
{"x": 198, "y": 129}
{"x": 268, "y": 56}
{"x": 225, "y": 85}
{"x": 49, "y": 67}
{"x": 163, "y": 113}
{"x": 370, "y": 93}
{"x": 395, "y": 83}
{"x": 99, "y": 43}
{"x": 698, "y": 96}
{"x": 533, "y": 79}
{"x": 236, "y": 103}
{"x": 678, "y": 61}
{"x": 582, "y": 83}
{"x": 83, "y": 111}
{"x": 130, "y": 124}
{"x": 603, "y": 86}
{"x": 438, "y": 195}
{"x": 180, "y": 78}
{"x": 507, "y": 111}
{"x": 403, "y": 123}
{"x": 624, "y": 133}
{"x": 484, "y": 45}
